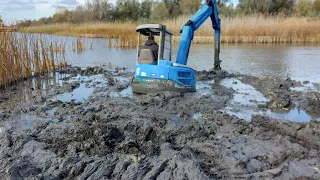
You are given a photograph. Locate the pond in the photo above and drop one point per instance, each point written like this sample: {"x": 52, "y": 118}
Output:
{"x": 300, "y": 62}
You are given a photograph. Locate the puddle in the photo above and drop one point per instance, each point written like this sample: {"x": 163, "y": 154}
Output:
{"x": 245, "y": 114}
{"x": 177, "y": 121}
{"x": 127, "y": 92}
{"x": 99, "y": 78}
{"x": 197, "y": 116}
{"x": 293, "y": 115}
{"x": 85, "y": 90}
{"x": 51, "y": 112}
{"x": 184, "y": 121}
{"x": 203, "y": 88}
{"x": 310, "y": 87}
{"x": 245, "y": 94}
{"x": 80, "y": 94}
{"x": 25, "y": 121}
{"x": 124, "y": 93}
{"x": 247, "y": 99}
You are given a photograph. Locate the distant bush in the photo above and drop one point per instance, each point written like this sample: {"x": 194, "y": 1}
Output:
{"x": 266, "y": 6}
{"x": 189, "y": 6}
{"x": 160, "y": 11}
{"x": 303, "y": 8}
{"x": 316, "y": 6}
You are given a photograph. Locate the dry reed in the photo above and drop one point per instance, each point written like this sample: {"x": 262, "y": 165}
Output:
{"x": 241, "y": 29}
{"x": 25, "y": 55}
{"x": 78, "y": 46}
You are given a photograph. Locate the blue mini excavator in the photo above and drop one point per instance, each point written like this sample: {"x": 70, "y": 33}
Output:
{"x": 156, "y": 74}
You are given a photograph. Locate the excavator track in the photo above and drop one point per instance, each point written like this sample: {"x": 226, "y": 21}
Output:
{"x": 149, "y": 85}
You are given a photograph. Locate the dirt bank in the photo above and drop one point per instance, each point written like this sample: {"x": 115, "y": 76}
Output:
{"x": 155, "y": 136}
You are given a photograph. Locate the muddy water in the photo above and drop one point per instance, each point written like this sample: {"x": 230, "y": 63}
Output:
{"x": 300, "y": 62}
{"x": 244, "y": 103}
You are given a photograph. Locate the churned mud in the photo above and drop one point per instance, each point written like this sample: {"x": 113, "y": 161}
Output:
{"x": 87, "y": 124}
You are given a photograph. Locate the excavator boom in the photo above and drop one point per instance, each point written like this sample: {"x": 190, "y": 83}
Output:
{"x": 187, "y": 32}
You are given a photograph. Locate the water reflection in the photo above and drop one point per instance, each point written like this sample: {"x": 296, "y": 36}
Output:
{"x": 28, "y": 91}
{"x": 246, "y": 101}
{"x": 80, "y": 94}
{"x": 25, "y": 121}
{"x": 300, "y": 62}
{"x": 293, "y": 115}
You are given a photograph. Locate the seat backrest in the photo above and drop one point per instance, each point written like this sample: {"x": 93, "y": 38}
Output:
{"x": 145, "y": 56}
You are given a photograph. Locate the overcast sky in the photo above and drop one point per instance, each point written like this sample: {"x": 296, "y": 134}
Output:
{"x": 13, "y": 10}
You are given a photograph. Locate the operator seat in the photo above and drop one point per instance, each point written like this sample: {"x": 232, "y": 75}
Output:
{"x": 145, "y": 56}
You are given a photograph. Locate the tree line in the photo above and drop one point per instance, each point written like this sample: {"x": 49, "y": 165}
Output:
{"x": 134, "y": 10}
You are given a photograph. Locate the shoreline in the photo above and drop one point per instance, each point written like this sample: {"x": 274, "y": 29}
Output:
{"x": 208, "y": 39}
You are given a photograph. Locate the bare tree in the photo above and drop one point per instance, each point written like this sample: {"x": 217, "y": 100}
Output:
{"x": 189, "y": 6}
{"x": 102, "y": 9}
{"x": 62, "y": 15}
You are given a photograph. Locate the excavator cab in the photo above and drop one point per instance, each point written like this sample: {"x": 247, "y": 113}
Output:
{"x": 163, "y": 38}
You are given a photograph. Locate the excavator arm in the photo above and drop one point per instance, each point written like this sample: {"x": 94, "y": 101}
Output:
{"x": 187, "y": 32}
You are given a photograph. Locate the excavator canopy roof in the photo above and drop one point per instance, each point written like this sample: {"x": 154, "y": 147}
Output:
{"x": 154, "y": 29}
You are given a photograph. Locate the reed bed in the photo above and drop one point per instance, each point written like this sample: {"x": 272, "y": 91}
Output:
{"x": 241, "y": 29}
{"x": 78, "y": 46}
{"x": 7, "y": 29}
{"x": 25, "y": 55}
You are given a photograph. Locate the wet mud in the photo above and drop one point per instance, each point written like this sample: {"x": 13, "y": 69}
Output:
{"x": 89, "y": 125}
{"x": 282, "y": 96}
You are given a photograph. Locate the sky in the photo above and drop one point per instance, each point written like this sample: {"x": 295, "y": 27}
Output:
{"x": 15, "y": 10}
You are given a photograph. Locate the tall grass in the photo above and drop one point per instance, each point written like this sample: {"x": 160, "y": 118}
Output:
{"x": 24, "y": 55}
{"x": 241, "y": 29}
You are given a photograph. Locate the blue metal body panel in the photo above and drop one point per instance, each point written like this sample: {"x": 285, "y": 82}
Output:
{"x": 152, "y": 71}
{"x": 183, "y": 76}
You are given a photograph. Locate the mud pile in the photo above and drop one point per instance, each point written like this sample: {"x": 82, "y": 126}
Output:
{"x": 158, "y": 136}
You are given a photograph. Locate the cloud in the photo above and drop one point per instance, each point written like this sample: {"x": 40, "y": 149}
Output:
{"x": 55, "y": 6}
{"x": 67, "y": 2}
{"x": 41, "y": 2}
{"x": 15, "y": 5}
